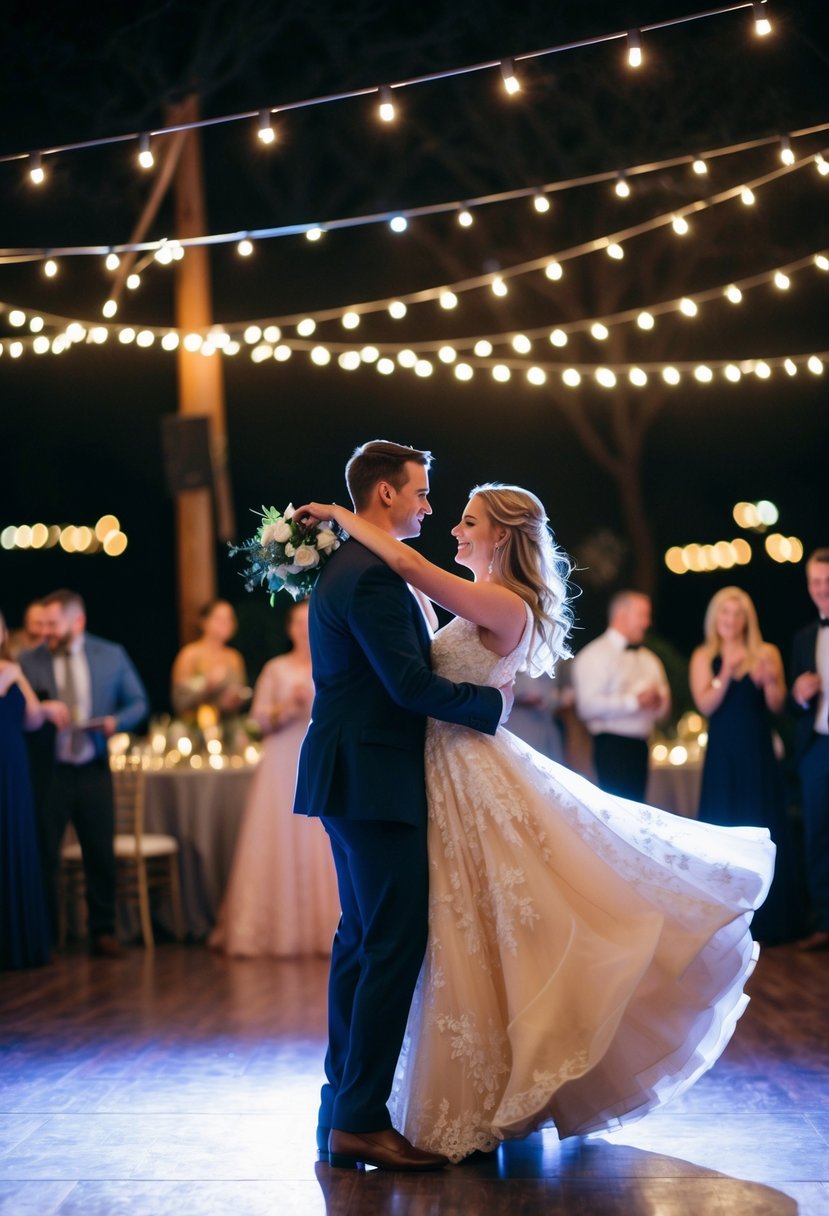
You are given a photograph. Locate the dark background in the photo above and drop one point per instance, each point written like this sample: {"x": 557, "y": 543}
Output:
{"x": 80, "y": 434}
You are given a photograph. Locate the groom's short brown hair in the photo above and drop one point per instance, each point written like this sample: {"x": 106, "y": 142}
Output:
{"x": 379, "y": 460}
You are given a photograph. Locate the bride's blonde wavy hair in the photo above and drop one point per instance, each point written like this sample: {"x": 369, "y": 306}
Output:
{"x": 529, "y": 562}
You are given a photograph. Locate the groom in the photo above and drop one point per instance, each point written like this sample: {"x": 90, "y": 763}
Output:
{"x": 361, "y": 770}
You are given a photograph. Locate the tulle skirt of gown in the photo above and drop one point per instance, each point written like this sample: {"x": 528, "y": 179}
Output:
{"x": 281, "y": 898}
{"x": 586, "y": 958}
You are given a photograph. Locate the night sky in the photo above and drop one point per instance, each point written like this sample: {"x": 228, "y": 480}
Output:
{"x": 80, "y": 433}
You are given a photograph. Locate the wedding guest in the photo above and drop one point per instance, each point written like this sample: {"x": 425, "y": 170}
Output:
{"x": 209, "y": 671}
{"x": 621, "y": 693}
{"x": 31, "y": 634}
{"x": 810, "y": 701}
{"x": 737, "y": 682}
{"x": 537, "y": 711}
{"x": 25, "y": 937}
{"x": 103, "y": 693}
{"x": 281, "y": 898}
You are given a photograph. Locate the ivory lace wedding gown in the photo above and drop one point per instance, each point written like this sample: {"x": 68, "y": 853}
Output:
{"x": 587, "y": 954}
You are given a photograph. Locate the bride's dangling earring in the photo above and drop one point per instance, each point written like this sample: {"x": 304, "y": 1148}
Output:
{"x": 491, "y": 565}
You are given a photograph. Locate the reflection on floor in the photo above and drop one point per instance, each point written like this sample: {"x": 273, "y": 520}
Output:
{"x": 186, "y": 1083}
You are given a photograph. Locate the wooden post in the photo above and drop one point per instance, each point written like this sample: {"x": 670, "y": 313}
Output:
{"x": 200, "y": 385}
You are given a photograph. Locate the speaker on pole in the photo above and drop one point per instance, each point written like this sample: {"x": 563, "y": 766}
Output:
{"x": 185, "y": 443}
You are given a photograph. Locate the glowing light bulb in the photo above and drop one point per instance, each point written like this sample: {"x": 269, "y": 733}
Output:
{"x": 351, "y": 320}
{"x": 634, "y": 49}
{"x": 521, "y": 344}
{"x": 699, "y": 166}
{"x": 511, "y": 82}
{"x": 821, "y": 261}
{"x": 815, "y": 365}
{"x": 465, "y": 218}
{"x": 133, "y": 281}
{"x": 397, "y": 310}
{"x": 406, "y": 358}
{"x": 385, "y": 366}
{"x": 369, "y": 354}
{"x": 501, "y": 373}
{"x": 733, "y": 294}
{"x": 790, "y": 367}
{"x": 786, "y": 152}
{"x": 762, "y": 369}
{"x": 680, "y": 225}
{"x": 747, "y": 196}
{"x": 398, "y": 223}
{"x": 605, "y": 377}
{"x": 671, "y": 376}
{"x": 266, "y": 132}
{"x": 112, "y": 261}
{"x": 622, "y": 187}
{"x": 599, "y": 331}
{"x": 448, "y": 300}
{"x": 558, "y": 337}
{"x": 447, "y": 354}
{"x": 762, "y": 25}
{"x": 313, "y": 234}
{"x": 50, "y": 268}
{"x": 703, "y": 374}
{"x": 553, "y": 271}
{"x": 537, "y": 375}
{"x": 306, "y": 327}
{"x": 498, "y": 286}
{"x": 37, "y": 174}
{"x": 110, "y": 308}
{"x": 645, "y": 320}
{"x": 541, "y": 203}
{"x": 821, "y": 164}
{"x": 36, "y": 324}
{"x": 145, "y": 155}
{"x": 482, "y": 348}
{"x": 423, "y": 368}
{"x": 638, "y": 377}
{"x": 17, "y": 318}
{"x": 170, "y": 340}
{"x": 782, "y": 281}
{"x": 252, "y": 335}
{"x": 320, "y": 355}
{"x": 571, "y": 377}
{"x": 386, "y": 108}
{"x": 733, "y": 373}
{"x": 244, "y": 248}
{"x": 463, "y": 371}
{"x": 687, "y": 307}
{"x": 349, "y": 360}
{"x": 615, "y": 251}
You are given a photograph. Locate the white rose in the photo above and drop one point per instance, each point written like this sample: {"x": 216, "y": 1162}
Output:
{"x": 289, "y": 550}
{"x": 305, "y": 557}
{"x": 326, "y": 540}
{"x": 289, "y": 511}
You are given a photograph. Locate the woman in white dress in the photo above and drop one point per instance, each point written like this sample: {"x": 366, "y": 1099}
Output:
{"x": 281, "y": 898}
{"x": 587, "y": 955}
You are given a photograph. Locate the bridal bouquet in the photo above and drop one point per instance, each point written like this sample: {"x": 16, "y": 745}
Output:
{"x": 285, "y": 555}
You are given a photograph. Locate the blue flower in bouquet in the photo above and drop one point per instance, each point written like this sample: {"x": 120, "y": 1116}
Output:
{"x": 285, "y": 555}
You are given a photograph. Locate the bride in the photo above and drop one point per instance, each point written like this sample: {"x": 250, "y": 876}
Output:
{"x": 587, "y": 955}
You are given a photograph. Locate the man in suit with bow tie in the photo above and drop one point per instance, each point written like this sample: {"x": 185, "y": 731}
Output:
{"x": 810, "y": 702}
{"x": 361, "y": 770}
{"x": 104, "y": 694}
{"x": 621, "y": 692}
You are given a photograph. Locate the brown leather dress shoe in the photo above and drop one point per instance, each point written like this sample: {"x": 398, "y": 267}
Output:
{"x": 819, "y": 940}
{"x": 387, "y": 1150}
{"x": 106, "y": 946}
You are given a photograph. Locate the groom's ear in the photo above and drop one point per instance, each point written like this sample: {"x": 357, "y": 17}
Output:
{"x": 384, "y": 492}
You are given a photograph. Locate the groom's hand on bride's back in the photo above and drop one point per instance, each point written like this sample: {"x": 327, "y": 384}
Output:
{"x": 508, "y": 693}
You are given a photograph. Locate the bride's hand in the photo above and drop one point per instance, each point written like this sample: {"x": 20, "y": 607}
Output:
{"x": 315, "y": 513}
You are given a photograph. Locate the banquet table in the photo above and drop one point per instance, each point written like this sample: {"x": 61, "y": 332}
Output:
{"x": 203, "y": 809}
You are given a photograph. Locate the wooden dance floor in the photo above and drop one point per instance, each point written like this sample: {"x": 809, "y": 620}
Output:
{"x": 186, "y": 1083}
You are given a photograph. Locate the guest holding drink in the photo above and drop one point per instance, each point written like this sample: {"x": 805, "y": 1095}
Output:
{"x": 737, "y": 682}
{"x": 25, "y": 935}
{"x": 281, "y": 899}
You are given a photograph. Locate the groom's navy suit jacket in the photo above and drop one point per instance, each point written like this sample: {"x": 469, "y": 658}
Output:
{"x": 362, "y": 757}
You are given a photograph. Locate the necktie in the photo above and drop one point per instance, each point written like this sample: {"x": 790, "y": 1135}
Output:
{"x": 824, "y": 620}
{"x": 70, "y": 691}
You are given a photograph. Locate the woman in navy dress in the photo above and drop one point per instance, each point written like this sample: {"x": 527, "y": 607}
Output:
{"x": 25, "y": 938}
{"x": 737, "y": 682}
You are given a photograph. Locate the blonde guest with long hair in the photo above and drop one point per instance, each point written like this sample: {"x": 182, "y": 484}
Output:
{"x": 737, "y": 682}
